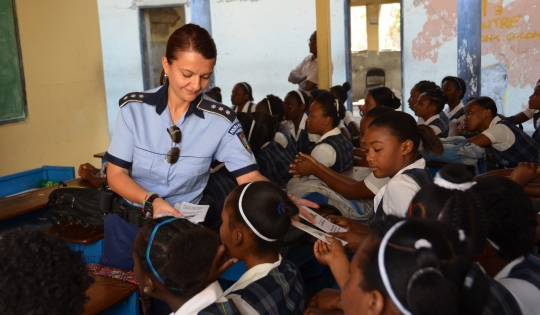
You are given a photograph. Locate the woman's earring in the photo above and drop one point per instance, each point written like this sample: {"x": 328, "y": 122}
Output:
{"x": 165, "y": 79}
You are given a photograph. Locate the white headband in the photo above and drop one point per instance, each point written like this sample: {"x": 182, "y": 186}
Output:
{"x": 336, "y": 103}
{"x": 301, "y": 96}
{"x": 493, "y": 244}
{"x": 251, "y": 129}
{"x": 382, "y": 268}
{"x": 441, "y": 182}
{"x": 246, "y": 219}
{"x": 269, "y": 106}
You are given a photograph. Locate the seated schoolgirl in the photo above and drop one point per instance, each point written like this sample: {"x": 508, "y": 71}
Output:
{"x": 418, "y": 89}
{"x": 273, "y": 160}
{"x": 256, "y": 218}
{"x": 341, "y": 93}
{"x": 392, "y": 141}
{"x": 274, "y": 106}
{"x": 242, "y": 98}
{"x": 455, "y": 88}
{"x": 332, "y": 149}
{"x": 353, "y": 198}
{"x": 295, "y": 122}
{"x": 528, "y": 113}
{"x": 511, "y": 225}
{"x": 510, "y": 144}
{"x": 429, "y": 108}
{"x": 173, "y": 258}
{"x": 380, "y": 96}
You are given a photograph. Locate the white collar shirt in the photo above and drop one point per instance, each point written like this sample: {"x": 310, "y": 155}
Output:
{"x": 526, "y": 294}
{"x": 211, "y": 294}
{"x": 502, "y": 138}
{"x": 436, "y": 129}
{"x": 289, "y": 126}
{"x": 456, "y": 109}
{"x": 325, "y": 153}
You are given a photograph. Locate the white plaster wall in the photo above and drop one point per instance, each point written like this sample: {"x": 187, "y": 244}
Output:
{"x": 121, "y": 47}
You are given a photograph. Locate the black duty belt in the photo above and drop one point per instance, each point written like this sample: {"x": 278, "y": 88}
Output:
{"x": 128, "y": 212}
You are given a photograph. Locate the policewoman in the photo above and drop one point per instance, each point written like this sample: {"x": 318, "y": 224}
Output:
{"x": 164, "y": 142}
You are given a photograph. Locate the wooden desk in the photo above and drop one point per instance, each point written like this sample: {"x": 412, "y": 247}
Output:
{"x": 33, "y": 200}
{"x": 105, "y": 292}
{"x": 77, "y": 234}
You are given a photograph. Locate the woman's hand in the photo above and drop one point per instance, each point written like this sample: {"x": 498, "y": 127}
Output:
{"x": 326, "y": 300}
{"x": 525, "y": 173}
{"x": 303, "y": 165}
{"x": 220, "y": 264}
{"x": 162, "y": 207}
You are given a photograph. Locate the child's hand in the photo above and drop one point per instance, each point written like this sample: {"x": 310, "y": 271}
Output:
{"x": 347, "y": 224}
{"x": 354, "y": 239}
{"x": 220, "y": 264}
{"x": 329, "y": 254}
{"x": 326, "y": 300}
{"x": 525, "y": 173}
{"x": 303, "y": 165}
{"x": 299, "y": 202}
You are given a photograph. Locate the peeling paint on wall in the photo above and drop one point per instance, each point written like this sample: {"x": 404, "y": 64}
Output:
{"x": 494, "y": 83}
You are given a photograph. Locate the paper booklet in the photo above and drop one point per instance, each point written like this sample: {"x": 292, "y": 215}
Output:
{"x": 322, "y": 223}
{"x": 317, "y": 233}
{"x": 192, "y": 212}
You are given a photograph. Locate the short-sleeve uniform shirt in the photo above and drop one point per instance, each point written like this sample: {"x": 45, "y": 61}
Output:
{"x": 210, "y": 131}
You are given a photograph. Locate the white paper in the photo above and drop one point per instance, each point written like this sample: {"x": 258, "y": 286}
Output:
{"x": 192, "y": 212}
{"x": 322, "y": 223}
{"x": 318, "y": 234}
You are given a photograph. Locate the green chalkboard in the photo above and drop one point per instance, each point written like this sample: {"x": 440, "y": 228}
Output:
{"x": 12, "y": 95}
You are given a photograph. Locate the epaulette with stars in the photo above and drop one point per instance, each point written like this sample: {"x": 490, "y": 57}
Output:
{"x": 218, "y": 109}
{"x": 133, "y": 97}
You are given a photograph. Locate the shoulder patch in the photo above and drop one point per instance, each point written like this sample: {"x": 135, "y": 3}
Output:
{"x": 218, "y": 109}
{"x": 133, "y": 97}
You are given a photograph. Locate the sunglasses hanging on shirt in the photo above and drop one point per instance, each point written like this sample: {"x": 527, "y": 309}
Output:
{"x": 174, "y": 153}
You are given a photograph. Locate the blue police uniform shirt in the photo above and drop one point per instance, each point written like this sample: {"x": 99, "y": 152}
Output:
{"x": 210, "y": 131}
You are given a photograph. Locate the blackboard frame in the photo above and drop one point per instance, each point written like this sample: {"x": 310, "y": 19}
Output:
{"x": 21, "y": 69}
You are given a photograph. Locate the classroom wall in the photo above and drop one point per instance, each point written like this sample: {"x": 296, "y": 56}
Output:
{"x": 61, "y": 55}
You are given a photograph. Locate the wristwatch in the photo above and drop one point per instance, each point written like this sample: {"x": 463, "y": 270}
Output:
{"x": 148, "y": 208}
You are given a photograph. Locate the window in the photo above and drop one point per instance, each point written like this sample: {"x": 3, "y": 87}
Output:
{"x": 158, "y": 25}
{"x": 390, "y": 27}
{"x": 358, "y": 28}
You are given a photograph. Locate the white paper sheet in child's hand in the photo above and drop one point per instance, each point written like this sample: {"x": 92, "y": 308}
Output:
{"x": 192, "y": 212}
{"x": 322, "y": 223}
{"x": 318, "y": 234}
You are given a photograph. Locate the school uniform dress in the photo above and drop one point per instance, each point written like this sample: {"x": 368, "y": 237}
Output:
{"x": 510, "y": 144}
{"x": 274, "y": 161}
{"x": 303, "y": 139}
{"x": 457, "y": 113}
{"x": 266, "y": 289}
{"x": 395, "y": 197}
{"x": 522, "y": 278}
{"x": 333, "y": 150}
{"x": 249, "y": 107}
{"x": 438, "y": 124}
{"x": 500, "y": 301}
{"x": 283, "y": 137}
{"x": 210, "y": 131}
{"x": 211, "y": 294}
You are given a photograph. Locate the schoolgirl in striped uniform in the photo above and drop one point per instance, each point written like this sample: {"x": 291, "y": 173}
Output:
{"x": 428, "y": 107}
{"x": 242, "y": 98}
{"x": 510, "y": 144}
{"x": 455, "y": 88}
{"x": 296, "y": 121}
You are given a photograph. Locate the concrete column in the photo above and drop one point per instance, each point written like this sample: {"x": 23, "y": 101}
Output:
{"x": 348, "y": 59}
{"x": 324, "y": 46}
{"x": 469, "y": 45}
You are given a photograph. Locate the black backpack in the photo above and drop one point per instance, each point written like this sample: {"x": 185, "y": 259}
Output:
{"x": 86, "y": 207}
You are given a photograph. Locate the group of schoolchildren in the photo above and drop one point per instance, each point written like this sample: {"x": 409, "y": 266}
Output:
{"x": 453, "y": 244}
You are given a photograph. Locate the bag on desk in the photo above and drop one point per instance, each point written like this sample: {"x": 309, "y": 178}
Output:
{"x": 79, "y": 206}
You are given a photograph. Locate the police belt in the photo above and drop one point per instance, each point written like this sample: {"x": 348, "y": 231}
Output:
{"x": 128, "y": 212}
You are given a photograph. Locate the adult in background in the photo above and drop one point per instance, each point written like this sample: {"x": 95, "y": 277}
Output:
{"x": 306, "y": 74}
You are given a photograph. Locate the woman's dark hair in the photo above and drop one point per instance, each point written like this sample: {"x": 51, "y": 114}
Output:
{"x": 510, "y": 215}
{"x": 383, "y": 96}
{"x": 181, "y": 253}
{"x": 247, "y": 89}
{"x": 215, "y": 94}
{"x": 40, "y": 274}
{"x": 190, "y": 37}
{"x": 258, "y": 134}
{"x": 328, "y": 106}
{"x": 268, "y": 208}
{"x": 295, "y": 95}
{"x": 268, "y": 132}
{"x": 403, "y": 126}
{"x": 424, "y": 86}
{"x": 378, "y": 111}
{"x": 342, "y": 91}
{"x": 485, "y": 103}
{"x": 459, "y": 82}
{"x": 437, "y": 97}
{"x": 427, "y": 266}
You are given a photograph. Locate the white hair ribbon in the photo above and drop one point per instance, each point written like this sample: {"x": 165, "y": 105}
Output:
{"x": 246, "y": 219}
{"x": 301, "y": 96}
{"x": 422, "y": 243}
{"x": 251, "y": 129}
{"x": 336, "y": 103}
{"x": 269, "y": 106}
{"x": 462, "y": 235}
{"x": 441, "y": 182}
{"x": 382, "y": 268}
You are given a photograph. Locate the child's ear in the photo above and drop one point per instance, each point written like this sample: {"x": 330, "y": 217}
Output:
{"x": 407, "y": 147}
{"x": 149, "y": 285}
{"x": 376, "y": 303}
{"x": 238, "y": 237}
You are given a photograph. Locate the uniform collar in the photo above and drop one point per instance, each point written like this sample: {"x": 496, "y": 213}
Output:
{"x": 252, "y": 275}
{"x": 333, "y": 132}
{"x": 160, "y": 98}
{"x": 432, "y": 118}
